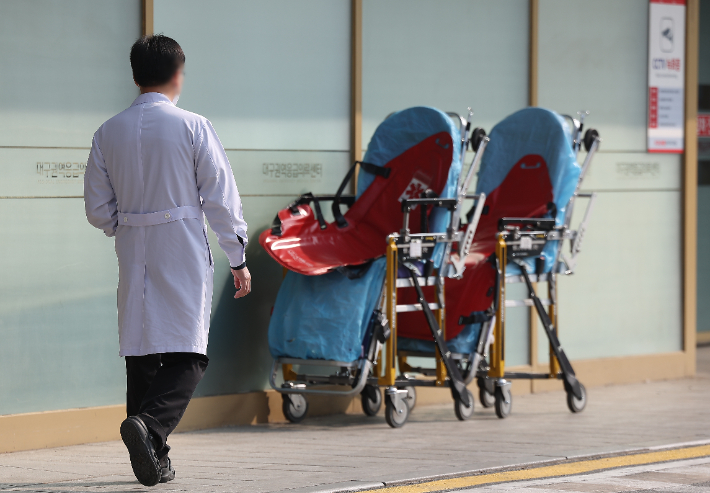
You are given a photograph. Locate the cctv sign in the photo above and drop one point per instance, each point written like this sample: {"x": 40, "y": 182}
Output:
{"x": 666, "y": 69}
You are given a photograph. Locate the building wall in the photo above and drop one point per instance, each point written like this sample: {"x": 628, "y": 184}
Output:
{"x": 274, "y": 78}
{"x": 625, "y": 297}
{"x": 64, "y": 70}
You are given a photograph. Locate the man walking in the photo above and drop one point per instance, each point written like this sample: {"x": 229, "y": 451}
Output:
{"x": 153, "y": 171}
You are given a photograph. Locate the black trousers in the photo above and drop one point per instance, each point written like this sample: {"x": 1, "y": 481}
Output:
{"x": 159, "y": 388}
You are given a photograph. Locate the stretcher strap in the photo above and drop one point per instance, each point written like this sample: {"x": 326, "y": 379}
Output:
{"x": 374, "y": 169}
{"x": 367, "y": 167}
{"x": 476, "y": 318}
{"x": 160, "y": 217}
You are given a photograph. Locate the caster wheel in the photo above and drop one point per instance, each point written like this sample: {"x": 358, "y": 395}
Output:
{"x": 371, "y": 399}
{"x": 462, "y": 411}
{"x": 488, "y": 399}
{"x": 577, "y": 405}
{"x": 411, "y": 397}
{"x": 295, "y": 407}
{"x": 476, "y": 138}
{"x": 503, "y": 408}
{"x": 589, "y": 137}
{"x": 396, "y": 415}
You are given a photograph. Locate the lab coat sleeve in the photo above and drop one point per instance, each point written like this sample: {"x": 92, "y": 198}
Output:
{"x": 99, "y": 197}
{"x": 220, "y": 197}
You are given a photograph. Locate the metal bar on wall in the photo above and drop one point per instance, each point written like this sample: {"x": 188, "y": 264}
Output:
{"x": 690, "y": 185}
{"x": 532, "y": 56}
{"x": 356, "y": 85}
{"x": 532, "y": 101}
{"x": 147, "y": 17}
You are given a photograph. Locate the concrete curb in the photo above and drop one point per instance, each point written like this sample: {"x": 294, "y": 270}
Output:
{"x": 346, "y": 487}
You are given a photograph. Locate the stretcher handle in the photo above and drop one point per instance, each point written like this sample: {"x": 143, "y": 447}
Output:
{"x": 409, "y": 204}
{"x": 368, "y": 168}
{"x": 542, "y": 223}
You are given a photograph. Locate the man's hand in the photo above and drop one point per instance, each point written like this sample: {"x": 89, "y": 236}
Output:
{"x": 242, "y": 282}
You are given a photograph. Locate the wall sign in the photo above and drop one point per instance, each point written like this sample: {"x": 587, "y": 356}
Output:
{"x": 666, "y": 70}
{"x": 704, "y": 125}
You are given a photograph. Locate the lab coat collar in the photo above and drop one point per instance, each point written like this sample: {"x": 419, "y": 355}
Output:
{"x": 151, "y": 97}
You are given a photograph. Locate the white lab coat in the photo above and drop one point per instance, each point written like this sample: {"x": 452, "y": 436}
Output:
{"x": 152, "y": 171}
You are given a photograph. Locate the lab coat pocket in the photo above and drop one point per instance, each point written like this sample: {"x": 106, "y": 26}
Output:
{"x": 209, "y": 251}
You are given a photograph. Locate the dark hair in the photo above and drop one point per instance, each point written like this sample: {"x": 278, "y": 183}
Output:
{"x": 155, "y": 59}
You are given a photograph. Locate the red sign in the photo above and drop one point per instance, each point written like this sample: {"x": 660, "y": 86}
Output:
{"x": 671, "y": 2}
{"x": 653, "y": 107}
{"x": 703, "y": 125}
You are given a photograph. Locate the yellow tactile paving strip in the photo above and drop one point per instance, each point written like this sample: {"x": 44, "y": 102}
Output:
{"x": 557, "y": 470}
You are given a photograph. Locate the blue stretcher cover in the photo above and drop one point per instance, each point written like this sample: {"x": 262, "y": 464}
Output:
{"x": 324, "y": 317}
{"x": 532, "y": 131}
{"x": 327, "y": 316}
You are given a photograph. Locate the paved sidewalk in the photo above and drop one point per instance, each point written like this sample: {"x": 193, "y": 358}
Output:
{"x": 351, "y": 451}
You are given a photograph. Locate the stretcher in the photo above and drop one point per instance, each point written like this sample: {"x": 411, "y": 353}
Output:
{"x": 329, "y": 310}
{"x": 364, "y": 319}
{"x": 531, "y": 179}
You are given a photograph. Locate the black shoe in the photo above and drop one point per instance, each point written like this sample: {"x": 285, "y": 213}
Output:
{"x": 142, "y": 451}
{"x": 167, "y": 473}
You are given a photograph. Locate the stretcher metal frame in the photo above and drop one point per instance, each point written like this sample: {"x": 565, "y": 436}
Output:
{"x": 378, "y": 366}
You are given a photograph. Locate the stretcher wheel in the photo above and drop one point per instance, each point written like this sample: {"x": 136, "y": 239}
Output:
{"x": 577, "y": 405}
{"x": 371, "y": 399}
{"x": 411, "y": 397}
{"x": 295, "y": 407}
{"x": 396, "y": 415}
{"x": 477, "y": 137}
{"x": 589, "y": 136}
{"x": 503, "y": 405}
{"x": 488, "y": 399}
{"x": 462, "y": 411}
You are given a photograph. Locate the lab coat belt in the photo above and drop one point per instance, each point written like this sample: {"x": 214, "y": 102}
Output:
{"x": 160, "y": 217}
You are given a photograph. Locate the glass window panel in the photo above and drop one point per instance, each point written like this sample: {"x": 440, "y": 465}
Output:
{"x": 594, "y": 56}
{"x": 272, "y": 74}
{"x": 65, "y": 68}
{"x": 450, "y": 55}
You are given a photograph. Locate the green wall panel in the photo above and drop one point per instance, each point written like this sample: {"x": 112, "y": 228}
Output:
{"x": 272, "y": 74}
{"x": 450, "y": 55}
{"x": 57, "y": 309}
{"x": 64, "y": 68}
{"x": 625, "y": 297}
{"x": 593, "y": 56}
